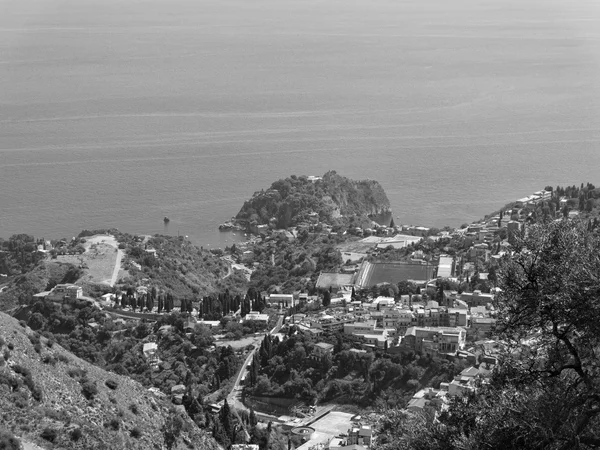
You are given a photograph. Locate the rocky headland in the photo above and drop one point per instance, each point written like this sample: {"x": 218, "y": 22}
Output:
{"x": 331, "y": 199}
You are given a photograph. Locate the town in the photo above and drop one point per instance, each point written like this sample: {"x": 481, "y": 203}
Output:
{"x": 396, "y": 292}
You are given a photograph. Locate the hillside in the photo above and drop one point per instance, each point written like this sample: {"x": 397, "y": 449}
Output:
{"x": 295, "y": 200}
{"x": 176, "y": 266}
{"x": 45, "y": 274}
{"x": 169, "y": 263}
{"x": 54, "y": 399}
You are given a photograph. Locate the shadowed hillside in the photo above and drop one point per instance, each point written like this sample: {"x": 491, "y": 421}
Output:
{"x": 54, "y": 399}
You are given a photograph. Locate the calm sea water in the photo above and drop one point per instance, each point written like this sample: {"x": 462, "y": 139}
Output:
{"x": 118, "y": 113}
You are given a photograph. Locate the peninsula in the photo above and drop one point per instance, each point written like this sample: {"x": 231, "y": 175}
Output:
{"x": 302, "y": 200}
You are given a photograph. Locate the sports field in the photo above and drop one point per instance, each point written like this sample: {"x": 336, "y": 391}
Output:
{"x": 374, "y": 273}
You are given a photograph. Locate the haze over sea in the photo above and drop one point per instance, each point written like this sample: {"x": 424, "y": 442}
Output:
{"x": 117, "y": 113}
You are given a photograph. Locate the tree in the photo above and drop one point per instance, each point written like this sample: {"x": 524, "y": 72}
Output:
{"x": 172, "y": 429}
{"x": 226, "y": 419}
{"x": 326, "y": 298}
{"x": 545, "y": 390}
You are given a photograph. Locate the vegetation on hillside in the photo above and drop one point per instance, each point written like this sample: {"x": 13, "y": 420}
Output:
{"x": 50, "y": 397}
{"x": 289, "y": 265}
{"x": 177, "y": 266}
{"x": 292, "y": 368}
{"x": 545, "y": 391}
{"x": 296, "y": 200}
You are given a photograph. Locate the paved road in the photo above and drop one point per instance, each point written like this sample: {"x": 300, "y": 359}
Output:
{"x": 235, "y": 396}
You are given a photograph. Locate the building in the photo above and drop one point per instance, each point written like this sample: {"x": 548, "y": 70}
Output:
{"x": 64, "y": 292}
{"x": 476, "y": 298}
{"x": 425, "y": 397}
{"x": 400, "y": 319}
{"x": 330, "y": 323}
{"x": 357, "y": 328}
{"x": 464, "y": 382}
{"x": 255, "y": 315}
{"x": 482, "y": 324}
{"x": 435, "y": 340}
{"x": 285, "y": 300}
{"x": 340, "y": 443}
{"x": 360, "y": 435}
{"x": 322, "y": 348}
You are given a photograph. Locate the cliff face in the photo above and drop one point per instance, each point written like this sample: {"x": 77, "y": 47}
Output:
{"x": 299, "y": 199}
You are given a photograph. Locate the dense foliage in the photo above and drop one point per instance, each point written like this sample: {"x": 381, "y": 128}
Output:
{"x": 293, "y": 368}
{"x": 290, "y": 265}
{"x": 296, "y": 200}
{"x": 545, "y": 391}
{"x": 177, "y": 266}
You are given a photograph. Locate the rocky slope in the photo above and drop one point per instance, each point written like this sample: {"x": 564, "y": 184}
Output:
{"x": 298, "y": 199}
{"x": 53, "y": 399}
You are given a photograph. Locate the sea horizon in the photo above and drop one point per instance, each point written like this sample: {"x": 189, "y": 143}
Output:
{"x": 116, "y": 115}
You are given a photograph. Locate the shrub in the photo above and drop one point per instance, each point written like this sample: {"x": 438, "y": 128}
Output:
{"x": 11, "y": 346}
{"x": 77, "y": 373}
{"x": 22, "y": 323}
{"x": 6, "y": 355}
{"x": 133, "y": 408}
{"x": 37, "y": 394}
{"x": 112, "y": 399}
{"x": 49, "y": 434}
{"x": 89, "y": 389}
{"x": 9, "y": 380}
{"x": 22, "y": 370}
{"x": 111, "y": 384}
{"x": 50, "y": 343}
{"x": 114, "y": 424}
{"x": 49, "y": 359}
{"x": 76, "y": 434}
{"x": 63, "y": 358}
{"x": 8, "y": 441}
{"x": 38, "y": 348}
{"x": 20, "y": 400}
{"x": 136, "y": 432}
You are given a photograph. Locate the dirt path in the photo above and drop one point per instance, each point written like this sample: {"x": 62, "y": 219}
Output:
{"x": 115, "y": 274}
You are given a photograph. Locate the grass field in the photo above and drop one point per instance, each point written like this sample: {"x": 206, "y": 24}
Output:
{"x": 98, "y": 260}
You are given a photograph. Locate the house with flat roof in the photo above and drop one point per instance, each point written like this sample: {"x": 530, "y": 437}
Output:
{"x": 285, "y": 300}
{"x": 255, "y": 315}
{"x": 435, "y": 339}
{"x": 321, "y": 349}
{"x": 476, "y": 298}
{"x": 65, "y": 291}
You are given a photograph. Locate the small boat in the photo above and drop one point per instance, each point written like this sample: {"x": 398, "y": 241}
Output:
{"x": 166, "y": 220}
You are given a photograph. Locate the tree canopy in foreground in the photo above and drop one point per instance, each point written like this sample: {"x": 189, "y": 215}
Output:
{"x": 545, "y": 391}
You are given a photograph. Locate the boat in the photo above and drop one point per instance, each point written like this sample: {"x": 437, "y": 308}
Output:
{"x": 166, "y": 220}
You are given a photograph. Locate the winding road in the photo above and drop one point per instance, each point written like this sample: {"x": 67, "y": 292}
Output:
{"x": 235, "y": 396}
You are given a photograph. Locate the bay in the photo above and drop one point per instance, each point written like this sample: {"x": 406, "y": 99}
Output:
{"x": 116, "y": 114}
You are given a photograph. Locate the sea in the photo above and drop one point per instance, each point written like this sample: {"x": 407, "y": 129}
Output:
{"x": 118, "y": 113}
